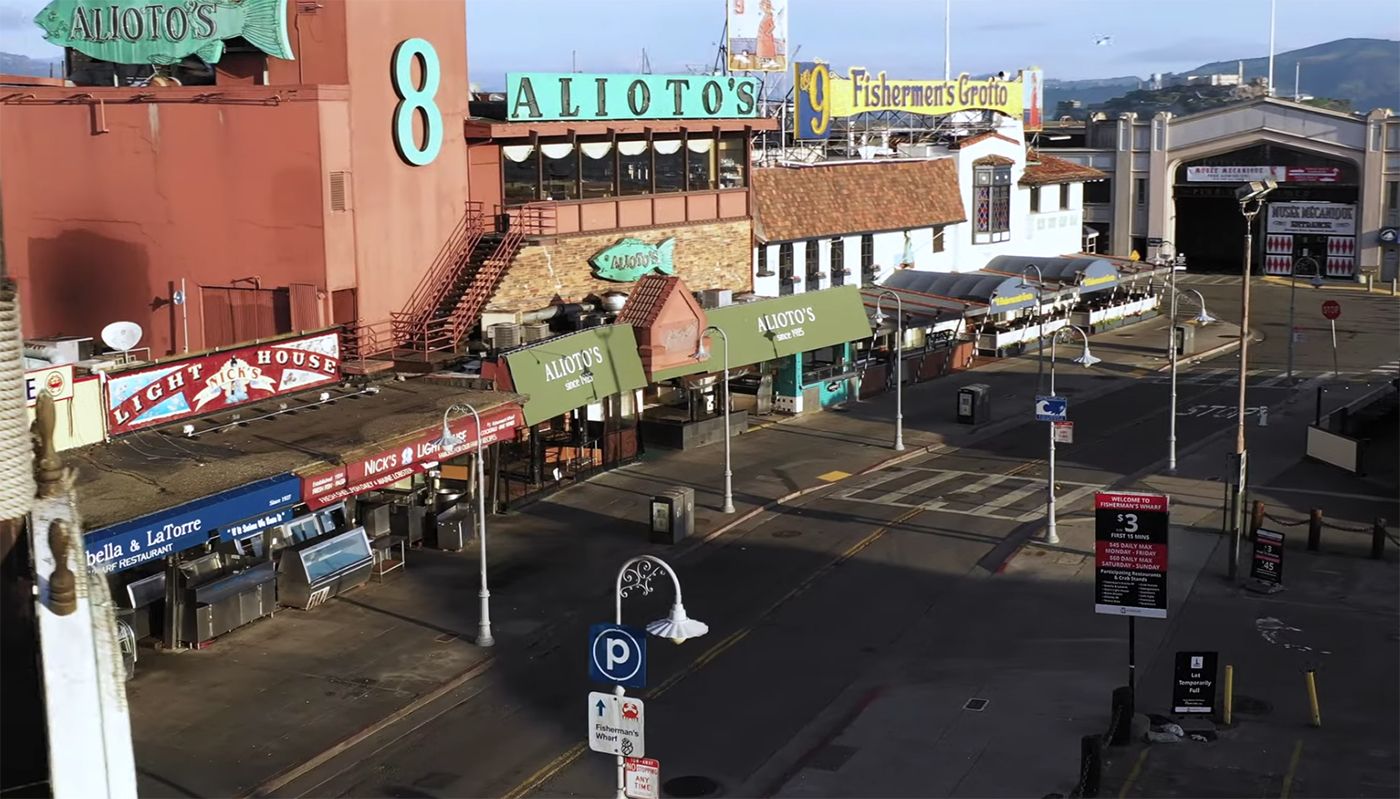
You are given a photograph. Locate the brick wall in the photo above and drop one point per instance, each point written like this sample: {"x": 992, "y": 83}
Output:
{"x": 706, "y": 256}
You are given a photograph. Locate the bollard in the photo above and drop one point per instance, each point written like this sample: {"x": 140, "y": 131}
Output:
{"x": 1263, "y": 415}
{"x": 1228, "y": 706}
{"x": 1090, "y": 765}
{"x": 1121, "y": 734}
{"x": 1378, "y": 539}
{"x": 1256, "y": 518}
{"x": 1315, "y": 530}
{"x": 1315, "y": 718}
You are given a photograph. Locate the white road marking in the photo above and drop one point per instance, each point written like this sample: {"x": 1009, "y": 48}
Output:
{"x": 914, "y": 489}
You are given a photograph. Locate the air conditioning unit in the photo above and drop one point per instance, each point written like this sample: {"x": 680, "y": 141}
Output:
{"x": 588, "y": 320}
{"x": 716, "y": 298}
{"x": 534, "y": 331}
{"x": 62, "y": 349}
{"x": 504, "y": 336}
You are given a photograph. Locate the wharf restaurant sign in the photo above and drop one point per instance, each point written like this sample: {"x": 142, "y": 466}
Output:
{"x": 230, "y": 514}
{"x": 1244, "y": 174}
{"x": 545, "y": 96}
{"x": 572, "y": 371}
{"x": 822, "y": 97}
{"x": 164, "y": 31}
{"x": 1330, "y": 219}
{"x": 175, "y": 390}
{"x": 629, "y": 259}
{"x": 392, "y": 464}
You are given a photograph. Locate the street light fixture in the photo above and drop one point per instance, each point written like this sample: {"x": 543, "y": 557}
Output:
{"x": 1202, "y": 318}
{"x": 637, "y": 573}
{"x": 1040, "y": 315}
{"x": 447, "y": 441}
{"x": 898, "y": 362}
{"x": 1251, "y": 198}
{"x": 702, "y": 352}
{"x": 1293, "y": 276}
{"x": 1085, "y": 359}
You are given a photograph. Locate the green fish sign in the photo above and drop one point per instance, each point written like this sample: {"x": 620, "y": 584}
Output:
{"x": 629, "y": 259}
{"x": 164, "y": 31}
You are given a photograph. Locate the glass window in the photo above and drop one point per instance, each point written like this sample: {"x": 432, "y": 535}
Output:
{"x": 520, "y": 173}
{"x": 814, "y": 265}
{"x": 838, "y": 261}
{"x": 560, "y": 171}
{"x": 938, "y": 238}
{"x": 785, "y": 274}
{"x": 733, "y": 164}
{"x": 596, "y": 162}
{"x": 867, "y": 258}
{"x": 1392, "y": 194}
{"x": 700, "y": 163}
{"x": 669, "y": 156}
{"x": 1064, "y": 196}
{"x": 634, "y": 166}
{"x": 1035, "y": 199}
{"x": 1098, "y": 191}
{"x": 1140, "y": 190}
{"x": 993, "y": 204}
{"x": 763, "y": 261}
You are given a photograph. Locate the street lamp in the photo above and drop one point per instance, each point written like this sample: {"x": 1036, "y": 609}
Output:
{"x": 1085, "y": 359}
{"x": 1202, "y": 318}
{"x": 898, "y": 362}
{"x": 1292, "y": 294}
{"x": 1251, "y": 199}
{"x": 638, "y": 573}
{"x": 446, "y": 441}
{"x": 702, "y": 352}
{"x": 1040, "y": 314}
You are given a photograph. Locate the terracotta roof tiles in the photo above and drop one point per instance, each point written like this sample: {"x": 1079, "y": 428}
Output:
{"x": 1050, "y": 170}
{"x": 796, "y": 203}
{"x": 646, "y": 299}
{"x": 978, "y": 138}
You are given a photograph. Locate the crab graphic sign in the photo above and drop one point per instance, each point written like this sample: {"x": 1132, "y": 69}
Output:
{"x": 616, "y": 724}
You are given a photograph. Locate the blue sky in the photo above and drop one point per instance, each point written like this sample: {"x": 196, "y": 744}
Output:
{"x": 904, "y": 37}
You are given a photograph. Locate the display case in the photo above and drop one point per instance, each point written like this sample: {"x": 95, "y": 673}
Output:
{"x": 310, "y": 572}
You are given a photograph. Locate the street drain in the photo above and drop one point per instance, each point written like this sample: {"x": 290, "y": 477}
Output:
{"x": 1249, "y": 706}
{"x": 976, "y": 704}
{"x": 786, "y": 533}
{"x": 692, "y": 785}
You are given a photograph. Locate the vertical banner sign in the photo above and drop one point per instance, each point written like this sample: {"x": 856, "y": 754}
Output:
{"x": 1130, "y": 554}
{"x": 1193, "y": 689}
{"x": 1033, "y": 102}
{"x": 1267, "y": 564}
{"x": 757, "y": 35}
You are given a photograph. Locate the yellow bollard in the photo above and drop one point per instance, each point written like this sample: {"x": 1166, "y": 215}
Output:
{"x": 1229, "y": 694}
{"x": 1312, "y": 698}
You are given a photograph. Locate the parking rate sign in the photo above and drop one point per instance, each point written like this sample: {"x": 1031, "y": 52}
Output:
{"x": 1130, "y": 554}
{"x": 617, "y": 655}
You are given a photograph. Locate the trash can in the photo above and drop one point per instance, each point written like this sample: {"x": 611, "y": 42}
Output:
{"x": 974, "y": 403}
{"x": 1185, "y": 340}
{"x": 672, "y": 515}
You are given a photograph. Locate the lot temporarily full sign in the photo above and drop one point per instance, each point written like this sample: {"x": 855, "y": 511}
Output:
{"x": 616, "y": 724}
{"x": 1130, "y": 554}
{"x": 1193, "y": 690}
{"x": 247, "y": 509}
{"x": 175, "y": 390}
{"x": 164, "y": 31}
{"x": 540, "y": 96}
{"x": 388, "y": 466}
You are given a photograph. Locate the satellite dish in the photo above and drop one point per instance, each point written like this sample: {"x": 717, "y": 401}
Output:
{"x": 121, "y": 336}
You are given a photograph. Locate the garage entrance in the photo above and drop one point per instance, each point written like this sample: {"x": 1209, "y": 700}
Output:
{"x": 1313, "y": 211}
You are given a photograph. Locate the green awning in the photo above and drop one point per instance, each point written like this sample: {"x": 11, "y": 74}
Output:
{"x": 768, "y": 329}
{"x": 579, "y": 369}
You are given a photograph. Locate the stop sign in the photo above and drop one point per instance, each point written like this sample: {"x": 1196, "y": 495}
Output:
{"x": 1331, "y": 309}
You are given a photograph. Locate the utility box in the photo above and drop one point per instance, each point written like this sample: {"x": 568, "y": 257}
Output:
{"x": 1185, "y": 339}
{"x": 974, "y": 403}
{"x": 672, "y": 515}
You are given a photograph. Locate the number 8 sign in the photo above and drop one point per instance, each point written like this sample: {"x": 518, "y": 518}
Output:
{"x": 413, "y": 99}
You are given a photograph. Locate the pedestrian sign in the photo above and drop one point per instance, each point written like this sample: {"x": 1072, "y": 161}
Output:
{"x": 617, "y": 655}
{"x": 1051, "y": 409}
{"x": 616, "y": 724}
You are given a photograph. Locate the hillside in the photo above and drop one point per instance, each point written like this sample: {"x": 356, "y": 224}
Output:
{"x": 1088, "y": 92}
{"x": 12, "y": 64}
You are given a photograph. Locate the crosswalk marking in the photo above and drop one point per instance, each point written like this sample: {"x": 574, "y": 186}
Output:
{"x": 1012, "y": 497}
{"x": 989, "y": 496}
{"x": 1275, "y": 380}
{"x": 1205, "y": 376}
{"x": 1264, "y": 378}
{"x": 983, "y": 484}
{"x": 915, "y": 488}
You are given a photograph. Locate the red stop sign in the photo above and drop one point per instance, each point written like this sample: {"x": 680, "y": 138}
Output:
{"x": 1331, "y": 309}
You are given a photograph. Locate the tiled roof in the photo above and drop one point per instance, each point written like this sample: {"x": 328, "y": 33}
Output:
{"x": 994, "y": 160}
{"x": 795, "y": 203}
{"x": 646, "y": 299}
{"x": 981, "y": 137}
{"x": 1050, "y": 169}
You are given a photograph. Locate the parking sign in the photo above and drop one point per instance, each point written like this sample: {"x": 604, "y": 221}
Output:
{"x": 617, "y": 655}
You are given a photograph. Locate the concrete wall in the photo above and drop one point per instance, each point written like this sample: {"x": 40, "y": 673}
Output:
{"x": 706, "y": 256}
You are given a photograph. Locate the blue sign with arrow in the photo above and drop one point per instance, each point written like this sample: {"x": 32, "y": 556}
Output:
{"x": 617, "y": 655}
{"x": 1051, "y": 409}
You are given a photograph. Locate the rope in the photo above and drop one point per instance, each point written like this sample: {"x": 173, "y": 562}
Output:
{"x": 16, "y": 444}
{"x": 1327, "y": 524}
{"x": 1347, "y": 529}
{"x": 1277, "y": 520}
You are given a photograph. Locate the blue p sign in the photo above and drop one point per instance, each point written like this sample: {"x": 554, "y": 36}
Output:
{"x": 617, "y": 655}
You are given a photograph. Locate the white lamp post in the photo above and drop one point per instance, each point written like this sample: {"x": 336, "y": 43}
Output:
{"x": 1292, "y": 295}
{"x": 1040, "y": 314}
{"x": 1202, "y": 318}
{"x": 702, "y": 352}
{"x": 898, "y": 362}
{"x": 1086, "y": 359}
{"x": 677, "y": 626}
{"x": 448, "y": 440}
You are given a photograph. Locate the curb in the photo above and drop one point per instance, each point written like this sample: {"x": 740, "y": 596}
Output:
{"x": 1192, "y": 360}
{"x": 1374, "y": 288}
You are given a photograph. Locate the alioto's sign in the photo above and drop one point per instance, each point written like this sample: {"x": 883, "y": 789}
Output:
{"x": 540, "y": 96}
{"x": 172, "y": 391}
{"x": 164, "y": 31}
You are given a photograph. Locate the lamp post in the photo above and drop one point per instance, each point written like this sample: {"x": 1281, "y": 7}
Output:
{"x": 1251, "y": 199}
{"x": 1202, "y": 318}
{"x": 898, "y": 362}
{"x": 701, "y": 353}
{"x": 637, "y": 573}
{"x": 1040, "y": 315}
{"x": 1086, "y": 359}
{"x": 448, "y": 440}
{"x": 1292, "y": 295}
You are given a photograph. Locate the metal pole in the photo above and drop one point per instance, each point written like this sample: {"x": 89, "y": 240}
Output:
{"x": 1051, "y": 535}
{"x": 618, "y": 690}
{"x": 728, "y": 472}
{"x": 185, "y": 313}
{"x": 1273, "y": 9}
{"x": 947, "y": 40}
{"x": 1238, "y": 506}
{"x": 898, "y": 365}
{"x": 1292, "y": 334}
{"x": 1040, "y": 312}
{"x": 1335, "y": 370}
{"x": 1171, "y": 428}
{"x": 483, "y": 636}
{"x": 1132, "y": 657}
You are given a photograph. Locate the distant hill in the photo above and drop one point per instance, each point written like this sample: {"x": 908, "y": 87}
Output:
{"x": 1364, "y": 71}
{"x": 14, "y": 64}
{"x": 1089, "y": 92}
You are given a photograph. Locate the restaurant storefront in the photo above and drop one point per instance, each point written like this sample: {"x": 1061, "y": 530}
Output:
{"x": 934, "y": 341}
{"x": 1010, "y": 309}
{"x": 1107, "y": 298}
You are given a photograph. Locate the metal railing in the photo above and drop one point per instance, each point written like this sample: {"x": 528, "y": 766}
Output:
{"x": 450, "y": 260}
{"x": 361, "y": 341}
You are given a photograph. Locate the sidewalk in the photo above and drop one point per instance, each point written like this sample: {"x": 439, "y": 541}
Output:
{"x": 277, "y": 693}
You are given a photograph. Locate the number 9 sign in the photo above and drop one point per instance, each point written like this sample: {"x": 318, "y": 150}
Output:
{"x": 813, "y": 117}
{"x": 413, "y": 99}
